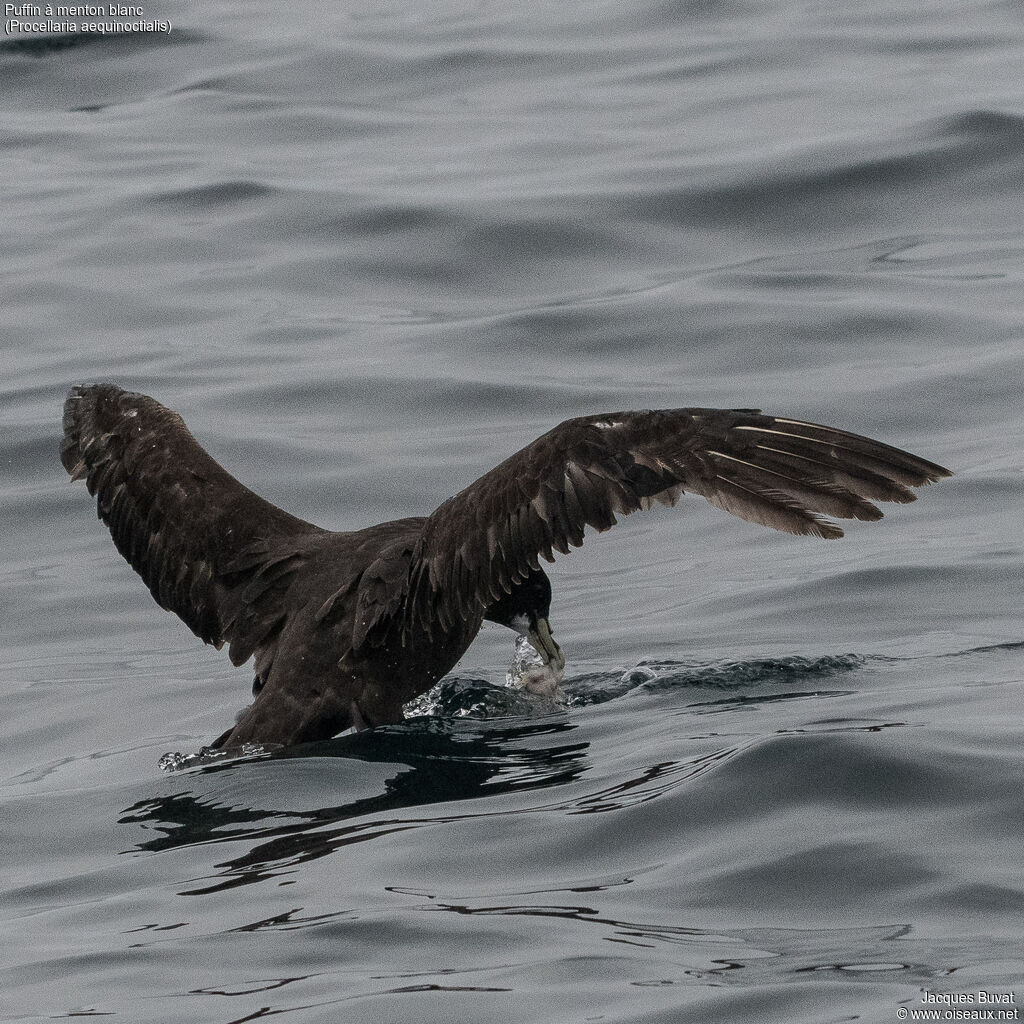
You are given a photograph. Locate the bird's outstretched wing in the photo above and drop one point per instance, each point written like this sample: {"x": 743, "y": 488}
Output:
{"x": 782, "y": 473}
{"x": 208, "y": 548}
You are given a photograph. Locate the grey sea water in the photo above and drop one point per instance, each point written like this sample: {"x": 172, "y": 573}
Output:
{"x": 368, "y": 250}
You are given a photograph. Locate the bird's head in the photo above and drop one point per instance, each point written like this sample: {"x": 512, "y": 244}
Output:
{"x": 526, "y": 610}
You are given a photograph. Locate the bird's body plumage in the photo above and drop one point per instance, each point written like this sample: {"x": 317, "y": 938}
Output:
{"x": 347, "y": 627}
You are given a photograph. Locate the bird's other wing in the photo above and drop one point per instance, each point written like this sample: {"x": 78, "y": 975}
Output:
{"x": 779, "y": 472}
{"x": 208, "y": 548}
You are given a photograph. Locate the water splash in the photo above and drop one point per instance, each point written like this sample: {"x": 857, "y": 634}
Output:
{"x": 175, "y": 761}
{"x": 529, "y": 673}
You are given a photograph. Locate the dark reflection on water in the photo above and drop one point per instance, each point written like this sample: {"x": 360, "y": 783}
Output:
{"x": 448, "y": 762}
{"x": 444, "y": 766}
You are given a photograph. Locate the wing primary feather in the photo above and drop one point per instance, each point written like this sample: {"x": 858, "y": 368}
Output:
{"x": 819, "y": 495}
{"x": 860, "y": 452}
{"x": 857, "y": 478}
{"x": 768, "y": 508}
{"x": 926, "y": 472}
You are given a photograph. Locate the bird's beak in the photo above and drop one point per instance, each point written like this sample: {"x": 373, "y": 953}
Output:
{"x": 544, "y": 643}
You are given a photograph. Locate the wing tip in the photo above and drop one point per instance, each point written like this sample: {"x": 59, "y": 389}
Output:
{"x": 935, "y": 473}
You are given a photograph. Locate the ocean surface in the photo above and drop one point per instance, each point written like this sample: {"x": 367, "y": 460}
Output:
{"x": 368, "y": 249}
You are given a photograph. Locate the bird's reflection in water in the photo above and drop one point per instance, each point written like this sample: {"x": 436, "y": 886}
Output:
{"x": 440, "y": 763}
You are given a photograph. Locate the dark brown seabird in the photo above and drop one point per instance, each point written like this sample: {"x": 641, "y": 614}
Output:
{"x": 348, "y": 627}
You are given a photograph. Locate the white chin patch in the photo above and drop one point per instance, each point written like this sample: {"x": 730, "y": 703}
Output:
{"x": 521, "y": 623}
